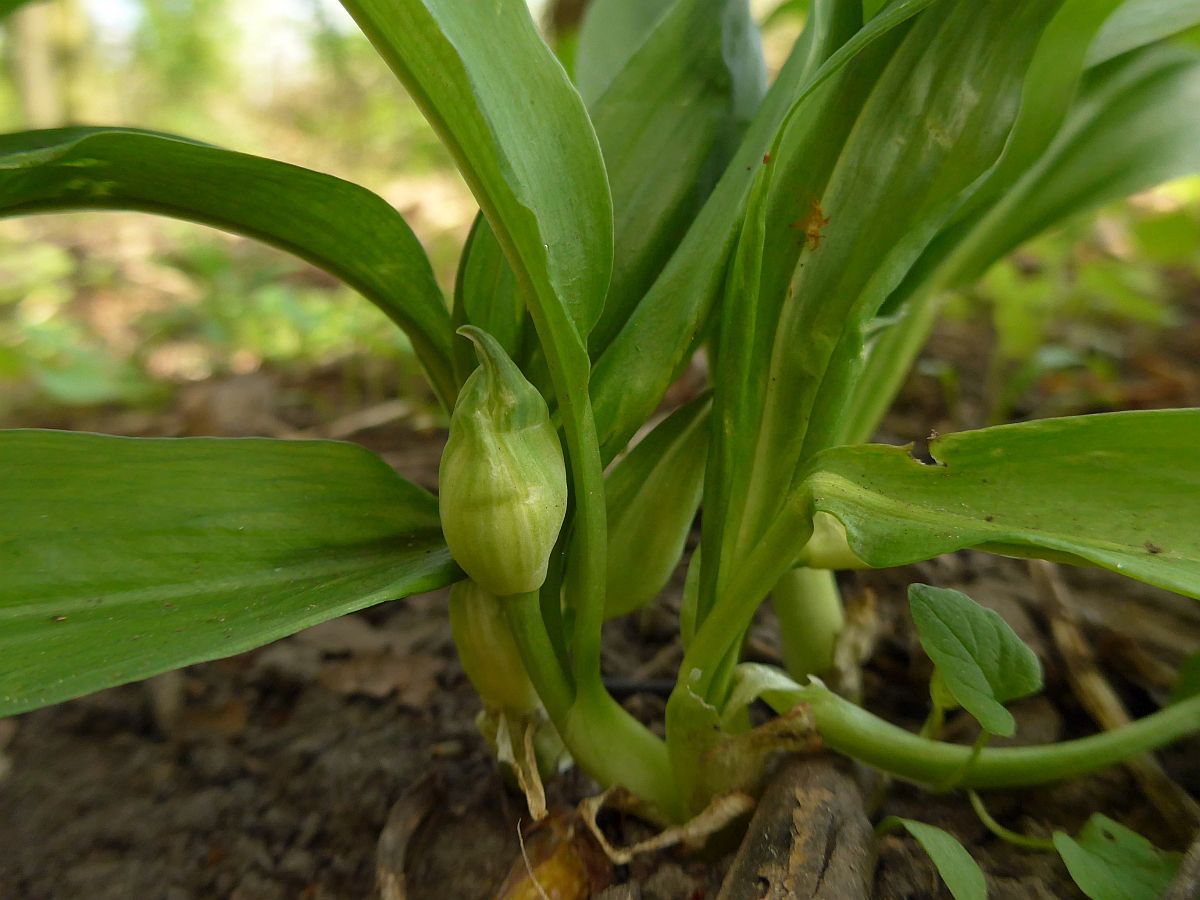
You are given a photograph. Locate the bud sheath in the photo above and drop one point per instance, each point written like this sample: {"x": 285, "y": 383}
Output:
{"x": 486, "y": 648}
{"x": 503, "y": 480}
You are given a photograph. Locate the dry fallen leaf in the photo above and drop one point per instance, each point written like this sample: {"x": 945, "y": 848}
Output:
{"x": 559, "y": 861}
{"x": 413, "y": 678}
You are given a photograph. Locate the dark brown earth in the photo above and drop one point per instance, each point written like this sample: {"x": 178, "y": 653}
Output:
{"x": 272, "y": 774}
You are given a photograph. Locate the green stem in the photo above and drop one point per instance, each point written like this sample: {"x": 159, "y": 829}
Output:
{"x": 616, "y": 749}
{"x": 934, "y": 722}
{"x": 1006, "y": 834}
{"x": 549, "y": 678}
{"x": 589, "y": 541}
{"x": 851, "y": 730}
{"x": 723, "y": 679}
{"x": 606, "y": 741}
{"x": 809, "y": 607}
{"x": 956, "y": 778}
{"x": 734, "y": 609}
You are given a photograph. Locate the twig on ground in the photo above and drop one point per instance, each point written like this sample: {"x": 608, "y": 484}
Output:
{"x": 720, "y": 813}
{"x": 1186, "y": 884}
{"x": 1097, "y": 696}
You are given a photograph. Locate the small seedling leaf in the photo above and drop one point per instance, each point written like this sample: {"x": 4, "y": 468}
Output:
{"x": 958, "y": 870}
{"x": 980, "y": 660}
{"x": 1110, "y": 862}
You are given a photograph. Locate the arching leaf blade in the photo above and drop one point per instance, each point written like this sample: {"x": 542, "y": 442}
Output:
{"x": 1114, "y": 490}
{"x": 611, "y": 33}
{"x": 503, "y": 105}
{"x": 336, "y": 225}
{"x": 1132, "y": 128}
{"x": 635, "y": 370}
{"x": 1141, "y": 22}
{"x": 126, "y": 557}
{"x": 668, "y": 123}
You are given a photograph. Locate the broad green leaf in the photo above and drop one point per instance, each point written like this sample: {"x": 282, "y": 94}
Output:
{"x": 853, "y": 396}
{"x": 126, "y": 557}
{"x": 698, "y": 72}
{"x": 668, "y": 124}
{"x": 1130, "y": 128}
{"x": 635, "y": 370}
{"x": 501, "y": 102}
{"x": 962, "y": 875}
{"x": 1114, "y": 490}
{"x": 1188, "y": 683}
{"x": 1020, "y": 108}
{"x": 829, "y": 258}
{"x": 1052, "y": 84}
{"x": 334, "y": 224}
{"x": 611, "y": 33}
{"x": 1141, "y": 22}
{"x": 1110, "y": 862}
{"x": 979, "y": 658}
{"x": 653, "y": 495}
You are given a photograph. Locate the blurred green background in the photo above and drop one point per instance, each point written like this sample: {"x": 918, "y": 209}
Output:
{"x": 124, "y": 311}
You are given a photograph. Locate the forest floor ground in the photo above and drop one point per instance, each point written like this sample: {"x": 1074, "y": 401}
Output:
{"x": 273, "y": 774}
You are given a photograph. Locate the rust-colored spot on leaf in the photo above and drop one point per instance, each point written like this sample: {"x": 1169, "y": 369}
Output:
{"x": 813, "y": 225}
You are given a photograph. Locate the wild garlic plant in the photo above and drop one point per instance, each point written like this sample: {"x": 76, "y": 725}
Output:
{"x": 659, "y": 200}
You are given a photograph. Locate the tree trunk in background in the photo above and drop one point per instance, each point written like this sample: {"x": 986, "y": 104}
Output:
{"x": 72, "y": 42}
{"x": 32, "y": 32}
{"x": 50, "y": 44}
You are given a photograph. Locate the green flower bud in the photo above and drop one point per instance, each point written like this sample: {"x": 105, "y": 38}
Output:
{"x": 487, "y": 650}
{"x": 503, "y": 481}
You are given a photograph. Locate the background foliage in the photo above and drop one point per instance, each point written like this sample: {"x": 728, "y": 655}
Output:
{"x": 124, "y": 309}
